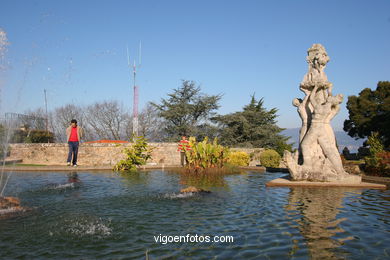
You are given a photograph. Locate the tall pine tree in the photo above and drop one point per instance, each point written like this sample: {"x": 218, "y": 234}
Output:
{"x": 254, "y": 126}
{"x": 186, "y": 111}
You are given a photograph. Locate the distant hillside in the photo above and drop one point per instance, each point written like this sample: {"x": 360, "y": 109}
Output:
{"x": 343, "y": 139}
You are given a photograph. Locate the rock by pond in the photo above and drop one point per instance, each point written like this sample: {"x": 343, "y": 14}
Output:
{"x": 10, "y": 207}
{"x": 193, "y": 189}
{"x": 8, "y": 202}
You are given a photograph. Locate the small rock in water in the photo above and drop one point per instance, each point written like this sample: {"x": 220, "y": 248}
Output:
{"x": 10, "y": 207}
{"x": 8, "y": 202}
{"x": 193, "y": 189}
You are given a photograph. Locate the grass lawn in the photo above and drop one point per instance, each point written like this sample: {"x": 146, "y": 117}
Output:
{"x": 22, "y": 164}
{"x": 355, "y": 161}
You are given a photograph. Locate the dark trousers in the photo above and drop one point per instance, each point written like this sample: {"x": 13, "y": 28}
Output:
{"x": 73, "y": 150}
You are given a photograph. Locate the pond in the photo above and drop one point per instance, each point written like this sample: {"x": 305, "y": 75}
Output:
{"x": 109, "y": 216}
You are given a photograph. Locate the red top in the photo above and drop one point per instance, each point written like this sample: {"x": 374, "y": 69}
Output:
{"x": 184, "y": 145}
{"x": 73, "y": 135}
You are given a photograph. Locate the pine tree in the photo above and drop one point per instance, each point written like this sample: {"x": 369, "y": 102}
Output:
{"x": 254, "y": 126}
{"x": 186, "y": 111}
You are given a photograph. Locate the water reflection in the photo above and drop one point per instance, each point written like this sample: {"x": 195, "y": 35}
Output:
{"x": 134, "y": 178}
{"x": 203, "y": 180}
{"x": 314, "y": 212}
{"x": 73, "y": 177}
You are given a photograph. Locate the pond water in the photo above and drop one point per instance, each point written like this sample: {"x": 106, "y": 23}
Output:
{"x": 110, "y": 216}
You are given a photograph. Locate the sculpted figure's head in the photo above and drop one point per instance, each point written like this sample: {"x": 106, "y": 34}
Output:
{"x": 296, "y": 102}
{"x": 317, "y": 56}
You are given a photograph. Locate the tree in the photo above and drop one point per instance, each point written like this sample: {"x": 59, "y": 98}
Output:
{"x": 254, "y": 126}
{"x": 61, "y": 117}
{"x": 108, "y": 120}
{"x": 34, "y": 119}
{"x": 151, "y": 125}
{"x": 370, "y": 112}
{"x": 186, "y": 109}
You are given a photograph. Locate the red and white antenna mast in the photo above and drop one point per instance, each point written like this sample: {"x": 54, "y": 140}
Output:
{"x": 135, "y": 89}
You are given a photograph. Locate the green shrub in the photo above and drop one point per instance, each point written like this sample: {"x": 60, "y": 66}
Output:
{"x": 40, "y": 136}
{"x": 384, "y": 163}
{"x": 32, "y": 136}
{"x": 378, "y": 160}
{"x": 281, "y": 146}
{"x": 375, "y": 147}
{"x": 270, "y": 158}
{"x": 136, "y": 155}
{"x": 18, "y": 136}
{"x": 238, "y": 159}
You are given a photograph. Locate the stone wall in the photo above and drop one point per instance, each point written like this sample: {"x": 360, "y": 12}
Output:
{"x": 90, "y": 154}
{"x": 97, "y": 154}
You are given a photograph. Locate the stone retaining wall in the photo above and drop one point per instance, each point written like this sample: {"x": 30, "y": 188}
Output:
{"x": 97, "y": 154}
{"x": 90, "y": 154}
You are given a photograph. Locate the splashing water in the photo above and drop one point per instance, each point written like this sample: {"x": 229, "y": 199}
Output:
{"x": 62, "y": 186}
{"x": 84, "y": 227}
{"x": 4, "y": 177}
{"x": 8, "y": 125}
{"x": 3, "y": 43}
{"x": 4, "y": 140}
{"x": 179, "y": 195}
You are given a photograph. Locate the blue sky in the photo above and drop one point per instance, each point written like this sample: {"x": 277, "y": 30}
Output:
{"x": 77, "y": 50}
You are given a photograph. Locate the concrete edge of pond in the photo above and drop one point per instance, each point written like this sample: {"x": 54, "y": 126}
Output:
{"x": 253, "y": 168}
{"x": 78, "y": 168}
{"x": 283, "y": 182}
{"x": 104, "y": 168}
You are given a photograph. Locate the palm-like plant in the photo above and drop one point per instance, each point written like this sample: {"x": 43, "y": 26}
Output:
{"x": 204, "y": 155}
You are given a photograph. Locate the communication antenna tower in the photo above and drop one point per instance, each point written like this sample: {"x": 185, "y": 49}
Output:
{"x": 46, "y": 114}
{"x": 135, "y": 88}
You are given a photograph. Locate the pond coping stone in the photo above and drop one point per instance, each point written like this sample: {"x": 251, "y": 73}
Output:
{"x": 285, "y": 182}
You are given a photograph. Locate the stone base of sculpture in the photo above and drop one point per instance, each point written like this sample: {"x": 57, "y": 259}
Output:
{"x": 317, "y": 158}
{"x": 322, "y": 171}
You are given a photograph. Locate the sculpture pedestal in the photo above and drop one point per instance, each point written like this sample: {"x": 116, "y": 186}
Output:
{"x": 285, "y": 182}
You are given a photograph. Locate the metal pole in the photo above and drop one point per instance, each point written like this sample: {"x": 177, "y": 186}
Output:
{"x": 47, "y": 125}
{"x": 46, "y": 117}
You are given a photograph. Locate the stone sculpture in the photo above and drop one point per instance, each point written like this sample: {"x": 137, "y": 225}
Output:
{"x": 317, "y": 158}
